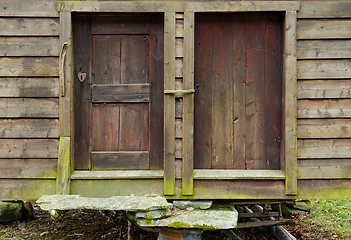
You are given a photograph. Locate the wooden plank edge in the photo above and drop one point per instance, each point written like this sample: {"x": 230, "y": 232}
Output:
{"x": 64, "y": 167}
{"x": 121, "y": 174}
{"x": 204, "y": 174}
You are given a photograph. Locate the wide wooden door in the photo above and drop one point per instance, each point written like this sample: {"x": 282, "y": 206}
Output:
{"x": 118, "y": 92}
{"x": 238, "y": 98}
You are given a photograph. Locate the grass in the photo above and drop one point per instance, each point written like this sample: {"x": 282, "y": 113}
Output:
{"x": 333, "y": 216}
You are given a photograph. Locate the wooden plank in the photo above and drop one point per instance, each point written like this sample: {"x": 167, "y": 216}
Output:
{"x": 179, "y": 67}
{"x": 323, "y": 69}
{"x": 169, "y": 103}
{"x": 29, "y": 27}
{"x": 239, "y": 189}
{"x": 96, "y": 6}
{"x": 28, "y": 148}
{"x": 222, "y": 93}
{"x": 319, "y": 89}
{"x": 134, "y": 59}
{"x": 29, "y": 67}
{"x": 273, "y": 89}
{"x": 239, "y": 91}
{"x": 179, "y": 148}
{"x": 122, "y": 174}
{"x": 134, "y": 127}
{"x": 179, "y": 28}
{"x": 132, "y": 24}
{"x": 323, "y": 128}
{"x": 179, "y": 128}
{"x": 26, "y": 189}
{"x": 323, "y": 29}
{"x": 124, "y": 187}
{"x": 66, "y": 103}
{"x": 29, "y": 108}
{"x": 323, "y": 49}
{"x": 179, "y": 107}
{"x": 179, "y": 47}
{"x": 29, "y": 46}
{"x": 325, "y": 148}
{"x": 106, "y": 59}
{"x": 120, "y": 160}
{"x": 82, "y": 93}
{"x": 63, "y": 181}
{"x": 29, "y": 8}
{"x": 326, "y": 108}
{"x": 120, "y": 93}
{"x": 156, "y": 79}
{"x": 321, "y": 9}
{"x": 29, "y": 128}
{"x": 264, "y": 223}
{"x": 28, "y": 168}
{"x": 29, "y": 87}
{"x": 324, "y": 189}
{"x": 228, "y": 174}
{"x": 188, "y": 106}
{"x": 255, "y": 142}
{"x": 203, "y": 93}
{"x": 324, "y": 169}
{"x": 289, "y": 122}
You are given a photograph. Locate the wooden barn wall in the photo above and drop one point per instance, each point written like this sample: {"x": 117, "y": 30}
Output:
{"x": 29, "y": 89}
{"x": 29, "y": 103}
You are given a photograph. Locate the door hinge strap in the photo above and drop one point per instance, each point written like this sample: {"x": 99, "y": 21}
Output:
{"x": 179, "y": 91}
{"x": 62, "y": 72}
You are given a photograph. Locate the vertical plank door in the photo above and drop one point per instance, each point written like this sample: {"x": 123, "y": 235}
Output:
{"x": 120, "y": 101}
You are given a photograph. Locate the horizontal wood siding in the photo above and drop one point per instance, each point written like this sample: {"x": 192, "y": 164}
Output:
{"x": 29, "y": 104}
{"x": 324, "y": 106}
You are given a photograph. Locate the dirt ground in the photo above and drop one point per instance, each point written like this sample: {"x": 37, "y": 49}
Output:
{"x": 89, "y": 225}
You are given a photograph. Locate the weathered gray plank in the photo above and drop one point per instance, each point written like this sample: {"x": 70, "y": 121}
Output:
{"x": 324, "y": 128}
{"x": 323, "y": 49}
{"x": 324, "y": 169}
{"x": 29, "y": 87}
{"x": 29, "y": 46}
{"x": 28, "y": 148}
{"x": 29, "y": 26}
{"x": 29, "y": 128}
{"x": 63, "y": 181}
{"x": 229, "y": 174}
{"x": 29, "y": 67}
{"x": 320, "y": 89}
{"x": 121, "y": 93}
{"x": 179, "y": 47}
{"x": 28, "y": 8}
{"x": 178, "y": 128}
{"x": 324, "y": 108}
{"x": 323, "y": 29}
{"x": 322, "y": 9}
{"x": 28, "y": 168}
{"x": 120, "y": 160}
{"x": 29, "y": 108}
{"x": 179, "y": 67}
{"x": 325, "y": 148}
{"x": 324, "y": 69}
{"x": 117, "y": 174}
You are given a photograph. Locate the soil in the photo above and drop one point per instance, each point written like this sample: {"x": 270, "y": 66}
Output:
{"x": 89, "y": 225}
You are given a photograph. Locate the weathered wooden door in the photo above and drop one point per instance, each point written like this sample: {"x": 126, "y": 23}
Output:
{"x": 238, "y": 98}
{"x": 118, "y": 86}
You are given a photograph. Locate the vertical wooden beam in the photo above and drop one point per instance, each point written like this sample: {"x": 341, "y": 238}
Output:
{"x": 65, "y": 106}
{"x": 289, "y": 146}
{"x": 188, "y": 105}
{"x": 63, "y": 167}
{"x": 169, "y": 100}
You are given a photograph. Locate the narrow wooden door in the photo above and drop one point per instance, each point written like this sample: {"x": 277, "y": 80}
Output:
{"x": 238, "y": 98}
{"x": 118, "y": 92}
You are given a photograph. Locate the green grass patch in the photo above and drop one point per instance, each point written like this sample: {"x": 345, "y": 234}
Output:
{"x": 333, "y": 216}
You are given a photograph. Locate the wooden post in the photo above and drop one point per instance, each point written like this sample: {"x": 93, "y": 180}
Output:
{"x": 63, "y": 167}
{"x": 65, "y": 105}
{"x": 169, "y": 112}
{"x": 289, "y": 146}
{"x": 188, "y": 105}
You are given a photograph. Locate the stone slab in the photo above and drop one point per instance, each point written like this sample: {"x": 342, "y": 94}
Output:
{"x": 119, "y": 203}
{"x": 194, "y": 204}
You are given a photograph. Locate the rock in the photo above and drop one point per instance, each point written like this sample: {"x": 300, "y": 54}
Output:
{"x": 154, "y": 214}
{"x": 304, "y": 205}
{"x": 10, "y": 211}
{"x": 194, "y": 204}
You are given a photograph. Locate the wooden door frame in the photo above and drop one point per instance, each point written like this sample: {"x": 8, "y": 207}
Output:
{"x": 288, "y": 170}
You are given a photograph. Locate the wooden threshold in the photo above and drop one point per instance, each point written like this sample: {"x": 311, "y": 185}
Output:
{"x": 204, "y": 174}
{"x": 120, "y": 174}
